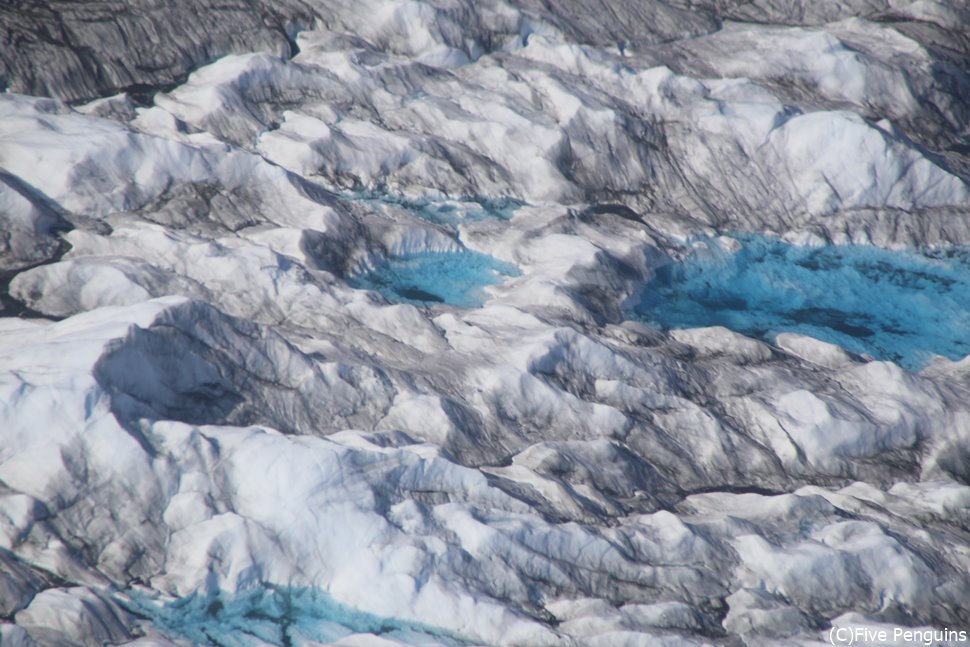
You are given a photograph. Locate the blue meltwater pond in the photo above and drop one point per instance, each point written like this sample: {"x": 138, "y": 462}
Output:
{"x": 273, "y": 615}
{"x": 898, "y": 306}
{"x": 453, "y": 278}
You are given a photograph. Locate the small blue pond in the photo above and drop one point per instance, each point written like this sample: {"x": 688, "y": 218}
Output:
{"x": 275, "y": 615}
{"x": 453, "y": 278}
{"x": 898, "y": 306}
{"x": 443, "y": 211}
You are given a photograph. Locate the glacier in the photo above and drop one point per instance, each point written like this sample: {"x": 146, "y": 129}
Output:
{"x": 492, "y": 323}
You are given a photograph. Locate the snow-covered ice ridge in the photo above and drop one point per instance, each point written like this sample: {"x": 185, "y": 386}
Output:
{"x": 208, "y": 435}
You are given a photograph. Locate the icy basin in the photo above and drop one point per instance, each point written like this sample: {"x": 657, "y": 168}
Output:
{"x": 276, "y": 616}
{"x": 898, "y": 306}
{"x": 453, "y": 278}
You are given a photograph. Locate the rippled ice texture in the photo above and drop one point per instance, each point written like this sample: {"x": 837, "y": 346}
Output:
{"x": 454, "y": 278}
{"x": 443, "y": 211}
{"x": 899, "y": 306}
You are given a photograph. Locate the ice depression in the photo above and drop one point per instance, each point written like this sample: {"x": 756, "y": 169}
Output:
{"x": 893, "y": 305}
{"x": 206, "y": 405}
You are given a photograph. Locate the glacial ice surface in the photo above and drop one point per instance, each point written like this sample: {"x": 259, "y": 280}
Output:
{"x": 207, "y": 402}
{"x": 900, "y": 306}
